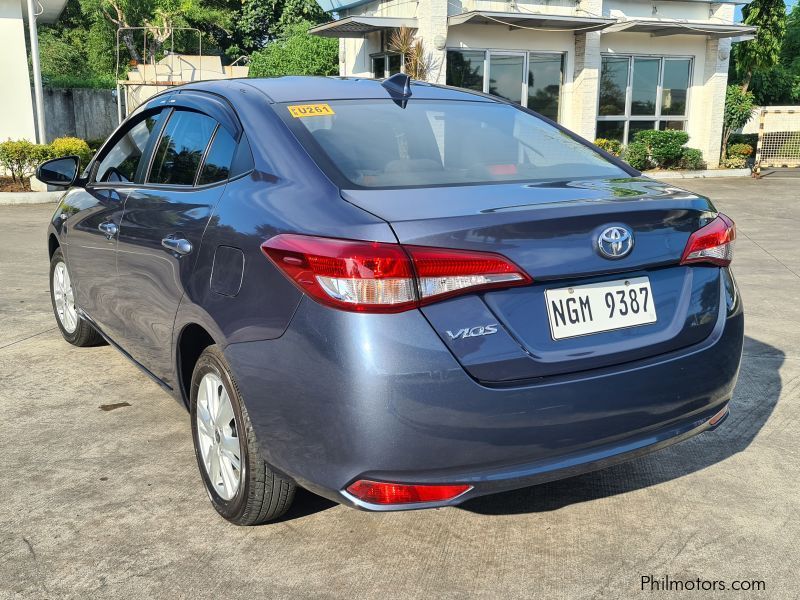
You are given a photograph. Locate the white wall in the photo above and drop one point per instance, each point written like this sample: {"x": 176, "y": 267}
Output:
{"x": 16, "y": 104}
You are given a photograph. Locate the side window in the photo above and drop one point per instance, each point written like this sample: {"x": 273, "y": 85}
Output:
{"x": 120, "y": 163}
{"x": 181, "y": 148}
{"x": 217, "y": 165}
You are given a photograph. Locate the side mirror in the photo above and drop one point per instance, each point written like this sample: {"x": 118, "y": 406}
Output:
{"x": 61, "y": 172}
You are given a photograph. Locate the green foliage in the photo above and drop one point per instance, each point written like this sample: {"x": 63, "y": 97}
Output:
{"x": 751, "y": 139}
{"x": 611, "y": 146}
{"x": 734, "y": 162}
{"x": 665, "y": 148}
{"x": 790, "y": 50}
{"x": 21, "y": 157}
{"x": 777, "y": 85}
{"x": 296, "y": 53}
{"x": 637, "y": 155}
{"x": 763, "y": 52}
{"x": 738, "y": 110}
{"x": 692, "y": 159}
{"x": 69, "y": 146}
{"x": 743, "y": 150}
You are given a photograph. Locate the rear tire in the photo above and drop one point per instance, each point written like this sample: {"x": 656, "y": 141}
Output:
{"x": 74, "y": 328}
{"x": 243, "y": 488}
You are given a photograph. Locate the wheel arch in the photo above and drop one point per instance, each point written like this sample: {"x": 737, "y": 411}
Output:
{"x": 52, "y": 244}
{"x": 192, "y": 340}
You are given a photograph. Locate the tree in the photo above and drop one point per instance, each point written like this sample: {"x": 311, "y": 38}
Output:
{"x": 296, "y": 52}
{"x": 763, "y": 52}
{"x": 738, "y": 110}
{"x": 790, "y": 51}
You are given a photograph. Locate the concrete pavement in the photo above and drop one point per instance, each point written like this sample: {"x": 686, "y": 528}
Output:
{"x": 109, "y": 504}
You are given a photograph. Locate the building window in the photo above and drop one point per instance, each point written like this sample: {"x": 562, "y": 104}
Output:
{"x": 642, "y": 92}
{"x": 385, "y": 65}
{"x": 531, "y": 79}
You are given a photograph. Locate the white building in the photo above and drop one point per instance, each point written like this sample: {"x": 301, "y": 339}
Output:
{"x": 603, "y": 68}
{"x": 17, "y": 107}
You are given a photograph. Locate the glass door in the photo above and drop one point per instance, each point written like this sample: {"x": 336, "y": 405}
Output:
{"x": 507, "y": 75}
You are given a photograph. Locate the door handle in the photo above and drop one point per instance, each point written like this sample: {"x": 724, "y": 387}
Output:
{"x": 109, "y": 229}
{"x": 177, "y": 245}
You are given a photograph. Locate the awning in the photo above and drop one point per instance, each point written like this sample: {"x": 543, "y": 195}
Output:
{"x": 531, "y": 20}
{"x": 356, "y": 27}
{"x": 658, "y": 28}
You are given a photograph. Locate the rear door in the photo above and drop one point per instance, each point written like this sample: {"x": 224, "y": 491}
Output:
{"x": 92, "y": 231}
{"x": 162, "y": 228}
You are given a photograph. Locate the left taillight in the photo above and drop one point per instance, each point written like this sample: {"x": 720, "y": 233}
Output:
{"x": 380, "y": 277}
{"x": 711, "y": 244}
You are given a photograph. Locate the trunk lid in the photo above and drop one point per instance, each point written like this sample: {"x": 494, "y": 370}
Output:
{"x": 550, "y": 229}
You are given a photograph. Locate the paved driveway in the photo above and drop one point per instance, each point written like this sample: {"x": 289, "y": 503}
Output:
{"x": 102, "y": 503}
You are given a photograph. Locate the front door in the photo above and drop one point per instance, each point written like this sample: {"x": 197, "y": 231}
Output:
{"x": 94, "y": 225}
{"x": 162, "y": 229}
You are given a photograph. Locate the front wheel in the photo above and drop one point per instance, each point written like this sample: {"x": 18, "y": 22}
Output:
{"x": 75, "y": 329}
{"x": 240, "y": 484}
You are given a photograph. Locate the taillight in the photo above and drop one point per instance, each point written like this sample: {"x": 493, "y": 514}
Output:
{"x": 382, "y": 492}
{"x": 380, "y": 277}
{"x": 712, "y": 243}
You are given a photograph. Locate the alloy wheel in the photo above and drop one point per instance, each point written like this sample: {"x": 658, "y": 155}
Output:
{"x": 64, "y": 298}
{"x": 218, "y": 436}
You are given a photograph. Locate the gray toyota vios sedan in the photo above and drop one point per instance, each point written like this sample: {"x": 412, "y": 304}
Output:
{"x": 394, "y": 294}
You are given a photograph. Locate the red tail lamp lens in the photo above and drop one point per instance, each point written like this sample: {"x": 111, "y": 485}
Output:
{"x": 381, "y": 492}
{"x": 380, "y": 277}
{"x": 711, "y": 244}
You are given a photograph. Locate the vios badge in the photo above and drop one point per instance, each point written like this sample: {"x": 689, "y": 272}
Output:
{"x": 615, "y": 242}
{"x": 469, "y": 332}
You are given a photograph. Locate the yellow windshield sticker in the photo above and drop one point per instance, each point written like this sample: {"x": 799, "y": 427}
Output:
{"x": 299, "y": 111}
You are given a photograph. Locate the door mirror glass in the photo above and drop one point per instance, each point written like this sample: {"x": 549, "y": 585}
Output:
{"x": 61, "y": 172}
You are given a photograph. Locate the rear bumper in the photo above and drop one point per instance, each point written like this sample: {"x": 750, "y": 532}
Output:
{"x": 343, "y": 396}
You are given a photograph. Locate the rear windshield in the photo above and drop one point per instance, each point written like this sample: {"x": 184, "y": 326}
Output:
{"x": 377, "y": 143}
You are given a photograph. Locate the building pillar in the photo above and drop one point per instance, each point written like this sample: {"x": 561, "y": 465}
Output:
{"x": 16, "y": 116}
{"x": 581, "y": 116}
{"x": 714, "y": 85}
{"x": 432, "y": 28}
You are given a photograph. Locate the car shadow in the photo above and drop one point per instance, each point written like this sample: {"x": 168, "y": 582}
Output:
{"x": 754, "y": 399}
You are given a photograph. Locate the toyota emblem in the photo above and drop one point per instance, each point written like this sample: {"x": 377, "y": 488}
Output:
{"x": 615, "y": 242}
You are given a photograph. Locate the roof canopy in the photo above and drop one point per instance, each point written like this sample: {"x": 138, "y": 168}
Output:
{"x": 657, "y": 28}
{"x": 356, "y": 27}
{"x": 530, "y": 20}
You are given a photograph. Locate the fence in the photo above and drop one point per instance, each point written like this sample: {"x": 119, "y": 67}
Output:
{"x": 778, "y": 138}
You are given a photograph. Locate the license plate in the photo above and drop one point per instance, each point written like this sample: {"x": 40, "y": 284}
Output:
{"x": 596, "y": 307}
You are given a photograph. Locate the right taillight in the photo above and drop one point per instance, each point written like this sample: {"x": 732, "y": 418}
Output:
{"x": 711, "y": 244}
{"x": 379, "y": 277}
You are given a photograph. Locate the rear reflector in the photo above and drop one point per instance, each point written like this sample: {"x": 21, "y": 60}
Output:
{"x": 381, "y": 492}
{"x": 719, "y": 416}
{"x": 711, "y": 244}
{"x": 379, "y": 277}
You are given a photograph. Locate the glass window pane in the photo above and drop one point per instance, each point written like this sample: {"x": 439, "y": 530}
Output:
{"x": 635, "y": 126}
{"x": 394, "y": 64}
{"x": 506, "y": 76}
{"x": 644, "y": 86}
{"x": 441, "y": 142}
{"x": 679, "y": 125}
{"x": 181, "y": 148}
{"x": 121, "y": 161}
{"x": 544, "y": 83}
{"x": 379, "y": 67}
{"x": 613, "y": 83}
{"x": 611, "y": 130}
{"x": 465, "y": 69}
{"x": 218, "y": 160}
{"x": 676, "y": 84}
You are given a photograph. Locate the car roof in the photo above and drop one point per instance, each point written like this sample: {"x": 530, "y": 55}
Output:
{"x": 306, "y": 88}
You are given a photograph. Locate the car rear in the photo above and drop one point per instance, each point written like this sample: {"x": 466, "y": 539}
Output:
{"x": 544, "y": 310}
